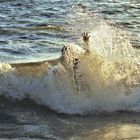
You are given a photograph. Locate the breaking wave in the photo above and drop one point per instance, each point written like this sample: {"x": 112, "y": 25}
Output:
{"x": 105, "y": 79}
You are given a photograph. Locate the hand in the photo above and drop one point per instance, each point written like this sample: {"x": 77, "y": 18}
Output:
{"x": 85, "y": 36}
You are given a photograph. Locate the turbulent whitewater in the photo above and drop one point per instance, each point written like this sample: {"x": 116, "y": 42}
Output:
{"x": 107, "y": 78}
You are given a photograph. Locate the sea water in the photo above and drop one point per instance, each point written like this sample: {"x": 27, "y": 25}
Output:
{"x": 44, "y": 100}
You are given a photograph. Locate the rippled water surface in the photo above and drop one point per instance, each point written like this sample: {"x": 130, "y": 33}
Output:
{"x": 33, "y": 30}
{"x": 36, "y": 30}
{"x": 25, "y": 120}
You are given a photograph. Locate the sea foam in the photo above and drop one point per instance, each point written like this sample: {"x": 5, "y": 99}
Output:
{"x": 106, "y": 79}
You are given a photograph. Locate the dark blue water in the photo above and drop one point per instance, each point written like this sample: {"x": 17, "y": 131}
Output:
{"x": 33, "y": 30}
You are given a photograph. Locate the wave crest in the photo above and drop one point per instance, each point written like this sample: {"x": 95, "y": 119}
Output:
{"x": 106, "y": 79}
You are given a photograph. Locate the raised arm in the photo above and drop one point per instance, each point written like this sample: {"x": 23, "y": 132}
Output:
{"x": 86, "y": 37}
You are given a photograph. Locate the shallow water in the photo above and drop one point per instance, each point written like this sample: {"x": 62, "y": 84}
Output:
{"x": 26, "y": 120}
{"x": 37, "y": 98}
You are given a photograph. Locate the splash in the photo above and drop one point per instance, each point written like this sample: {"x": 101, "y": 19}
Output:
{"x": 107, "y": 78}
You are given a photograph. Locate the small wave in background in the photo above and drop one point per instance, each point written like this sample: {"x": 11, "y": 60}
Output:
{"x": 37, "y": 30}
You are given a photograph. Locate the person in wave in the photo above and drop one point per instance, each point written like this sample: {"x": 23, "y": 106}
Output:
{"x": 70, "y": 57}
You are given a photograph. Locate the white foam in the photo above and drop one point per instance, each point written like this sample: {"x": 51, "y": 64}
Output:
{"x": 106, "y": 81}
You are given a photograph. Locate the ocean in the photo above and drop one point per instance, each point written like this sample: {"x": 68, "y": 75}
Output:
{"x": 56, "y": 84}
